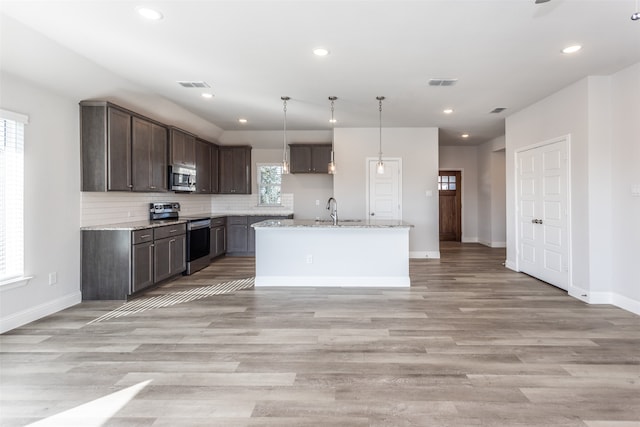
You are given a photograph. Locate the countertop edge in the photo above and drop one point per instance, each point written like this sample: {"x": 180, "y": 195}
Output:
{"x": 140, "y": 225}
{"x": 292, "y": 223}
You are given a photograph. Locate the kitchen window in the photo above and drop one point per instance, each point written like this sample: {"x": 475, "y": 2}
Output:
{"x": 269, "y": 184}
{"x": 11, "y": 196}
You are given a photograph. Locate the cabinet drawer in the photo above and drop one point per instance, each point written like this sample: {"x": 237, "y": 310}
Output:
{"x": 169, "y": 231}
{"x": 217, "y": 222}
{"x": 237, "y": 220}
{"x": 141, "y": 236}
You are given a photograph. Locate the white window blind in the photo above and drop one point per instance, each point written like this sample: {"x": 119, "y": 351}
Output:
{"x": 11, "y": 195}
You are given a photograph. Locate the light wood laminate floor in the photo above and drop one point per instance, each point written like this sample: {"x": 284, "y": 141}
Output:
{"x": 469, "y": 344}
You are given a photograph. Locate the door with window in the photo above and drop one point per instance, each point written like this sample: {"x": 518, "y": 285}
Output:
{"x": 542, "y": 212}
{"x": 450, "y": 195}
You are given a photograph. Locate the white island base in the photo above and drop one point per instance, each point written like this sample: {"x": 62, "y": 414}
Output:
{"x": 307, "y": 253}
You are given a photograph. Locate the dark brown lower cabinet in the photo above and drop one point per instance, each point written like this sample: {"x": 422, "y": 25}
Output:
{"x": 118, "y": 263}
{"x": 241, "y": 237}
{"x": 142, "y": 273}
{"x": 169, "y": 257}
{"x": 218, "y": 237}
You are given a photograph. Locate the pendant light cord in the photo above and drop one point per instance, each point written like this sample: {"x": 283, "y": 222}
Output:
{"x": 285, "y": 165}
{"x": 380, "y": 122}
{"x": 380, "y": 99}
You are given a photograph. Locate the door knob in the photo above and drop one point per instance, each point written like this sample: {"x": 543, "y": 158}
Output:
{"x": 534, "y": 221}
{"x": 373, "y": 213}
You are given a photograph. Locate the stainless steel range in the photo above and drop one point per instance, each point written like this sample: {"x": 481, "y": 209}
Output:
{"x": 198, "y": 233}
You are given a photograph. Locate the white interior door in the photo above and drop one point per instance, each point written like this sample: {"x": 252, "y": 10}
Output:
{"x": 385, "y": 191}
{"x": 543, "y": 247}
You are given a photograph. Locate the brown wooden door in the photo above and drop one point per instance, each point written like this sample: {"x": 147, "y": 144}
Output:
{"x": 450, "y": 191}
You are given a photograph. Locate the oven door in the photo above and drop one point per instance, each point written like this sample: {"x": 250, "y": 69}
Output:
{"x": 198, "y": 239}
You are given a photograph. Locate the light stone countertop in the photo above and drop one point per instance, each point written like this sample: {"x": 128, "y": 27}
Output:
{"x": 139, "y": 225}
{"x": 309, "y": 223}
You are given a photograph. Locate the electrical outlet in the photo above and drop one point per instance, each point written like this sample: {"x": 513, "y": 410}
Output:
{"x": 309, "y": 259}
{"x": 317, "y": 202}
{"x": 53, "y": 278}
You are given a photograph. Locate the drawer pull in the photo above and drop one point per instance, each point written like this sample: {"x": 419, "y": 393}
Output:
{"x": 144, "y": 236}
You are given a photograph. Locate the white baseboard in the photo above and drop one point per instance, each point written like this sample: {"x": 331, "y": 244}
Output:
{"x": 38, "y": 312}
{"x": 626, "y": 303}
{"x": 511, "y": 265}
{"x": 333, "y": 281}
{"x": 469, "y": 240}
{"x": 612, "y": 298}
{"x": 493, "y": 244}
{"x": 424, "y": 254}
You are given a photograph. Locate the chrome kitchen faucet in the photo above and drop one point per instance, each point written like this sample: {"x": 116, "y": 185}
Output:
{"x": 334, "y": 214}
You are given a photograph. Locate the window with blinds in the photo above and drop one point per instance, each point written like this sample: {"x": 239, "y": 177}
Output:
{"x": 11, "y": 195}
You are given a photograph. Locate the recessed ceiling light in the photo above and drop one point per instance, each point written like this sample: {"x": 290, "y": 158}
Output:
{"x": 150, "y": 14}
{"x": 465, "y": 135}
{"x": 207, "y": 95}
{"x": 243, "y": 121}
{"x": 448, "y": 110}
{"x": 321, "y": 51}
{"x": 333, "y": 121}
{"x": 572, "y": 49}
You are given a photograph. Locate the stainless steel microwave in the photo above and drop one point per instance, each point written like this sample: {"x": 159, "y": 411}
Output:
{"x": 182, "y": 178}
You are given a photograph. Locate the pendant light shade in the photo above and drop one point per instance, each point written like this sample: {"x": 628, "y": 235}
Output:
{"x": 285, "y": 162}
{"x": 331, "y": 168}
{"x": 380, "y": 164}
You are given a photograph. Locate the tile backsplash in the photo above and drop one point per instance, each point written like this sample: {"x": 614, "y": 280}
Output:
{"x": 97, "y": 208}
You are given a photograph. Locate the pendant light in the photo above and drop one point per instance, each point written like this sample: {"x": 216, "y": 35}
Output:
{"x": 380, "y": 165}
{"x": 636, "y": 14}
{"x": 285, "y": 163}
{"x": 331, "y": 168}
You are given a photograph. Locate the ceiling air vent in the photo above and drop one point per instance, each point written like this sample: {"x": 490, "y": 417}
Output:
{"x": 442, "y": 82}
{"x": 194, "y": 84}
{"x": 497, "y": 110}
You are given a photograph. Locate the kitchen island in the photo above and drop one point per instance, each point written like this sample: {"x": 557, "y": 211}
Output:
{"x": 321, "y": 254}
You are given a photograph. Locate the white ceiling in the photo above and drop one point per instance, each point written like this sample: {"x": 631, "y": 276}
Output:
{"x": 503, "y": 53}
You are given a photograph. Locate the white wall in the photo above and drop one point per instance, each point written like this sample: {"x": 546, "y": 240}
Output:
{"x": 625, "y": 182}
{"x": 465, "y": 159}
{"x": 491, "y": 193}
{"x": 51, "y": 203}
{"x": 600, "y": 114}
{"x": 498, "y": 199}
{"x": 418, "y": 149}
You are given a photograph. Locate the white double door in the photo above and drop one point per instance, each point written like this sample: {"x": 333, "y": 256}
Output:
{"x": 542, "y": 212}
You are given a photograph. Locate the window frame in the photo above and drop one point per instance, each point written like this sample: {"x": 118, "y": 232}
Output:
{"x": 262, "y": 185}
{"x": 12, "y": 215}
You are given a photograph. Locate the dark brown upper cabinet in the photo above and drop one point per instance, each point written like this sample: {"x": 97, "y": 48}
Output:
{"x": 235, "y": 170}
{"x": 149, "y": 155}
{"x": 310, "y": 158}
{"x": 182, "y": 150}
{"x": 203, "y": 166}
